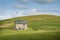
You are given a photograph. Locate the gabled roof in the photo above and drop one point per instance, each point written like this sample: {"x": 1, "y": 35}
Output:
{"x": 20, "y": 22}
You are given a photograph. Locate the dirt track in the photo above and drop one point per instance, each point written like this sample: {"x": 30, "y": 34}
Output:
{"x": 5, "y": 25}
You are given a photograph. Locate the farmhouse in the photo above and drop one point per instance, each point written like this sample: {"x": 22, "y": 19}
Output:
{"x": 21, "y": 24}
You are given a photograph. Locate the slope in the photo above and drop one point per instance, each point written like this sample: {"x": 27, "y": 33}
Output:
{"x": 36, "y": 22}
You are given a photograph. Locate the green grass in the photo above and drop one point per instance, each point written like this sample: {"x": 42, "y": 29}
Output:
{"x": 41, "y": 27}
{"x": 29, "y": 35}
{"x": 37, "y": 21}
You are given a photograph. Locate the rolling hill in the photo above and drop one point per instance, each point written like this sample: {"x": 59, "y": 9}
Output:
{"x": 34, "y": 22}
{"x": 38, "y": 24}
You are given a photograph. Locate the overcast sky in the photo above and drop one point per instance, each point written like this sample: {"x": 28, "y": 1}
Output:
{"x": 8, "y": 8}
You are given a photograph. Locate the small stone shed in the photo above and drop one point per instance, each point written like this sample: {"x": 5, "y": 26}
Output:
{"x": 21, "y": 24}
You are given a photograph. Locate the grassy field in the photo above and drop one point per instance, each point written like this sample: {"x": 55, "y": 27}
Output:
{"x": 41, "y": 27}
{"x": 29, "y": 35}
{"x": 35, "y": 22}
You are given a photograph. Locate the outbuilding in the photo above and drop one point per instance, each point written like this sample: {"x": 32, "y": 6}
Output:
{"x": 21, "y": 25}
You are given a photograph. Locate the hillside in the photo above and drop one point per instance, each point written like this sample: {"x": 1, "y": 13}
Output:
{"x": 39, "y": 25}
{"x": 34, "y": 22}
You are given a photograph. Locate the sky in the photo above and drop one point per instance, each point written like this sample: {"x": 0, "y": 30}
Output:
{"x": 18, "y": 8}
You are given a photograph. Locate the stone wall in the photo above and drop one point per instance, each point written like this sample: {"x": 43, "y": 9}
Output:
{"x": 21, "y": 26}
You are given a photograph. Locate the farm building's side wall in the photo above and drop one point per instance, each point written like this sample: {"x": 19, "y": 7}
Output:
{"x": 25, "y": 27}
{"x": 21, "y": 26}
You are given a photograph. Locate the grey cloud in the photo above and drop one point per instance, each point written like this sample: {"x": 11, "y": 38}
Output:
{"x": 21, "y": 4}
{"x": 20, "y": 7}
{"x": 45, "y": 1}
{"x": 38, "y": 1}
{"x": 23, "y": 1}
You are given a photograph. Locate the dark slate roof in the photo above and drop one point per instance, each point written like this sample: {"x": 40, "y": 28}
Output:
{"x": 20, "y": 22}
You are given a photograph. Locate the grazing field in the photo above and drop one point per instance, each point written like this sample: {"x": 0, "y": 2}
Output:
{"x": 35, "y": 22}
{"x": 41, "y": 27}
{"x": 29, "y": 35}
